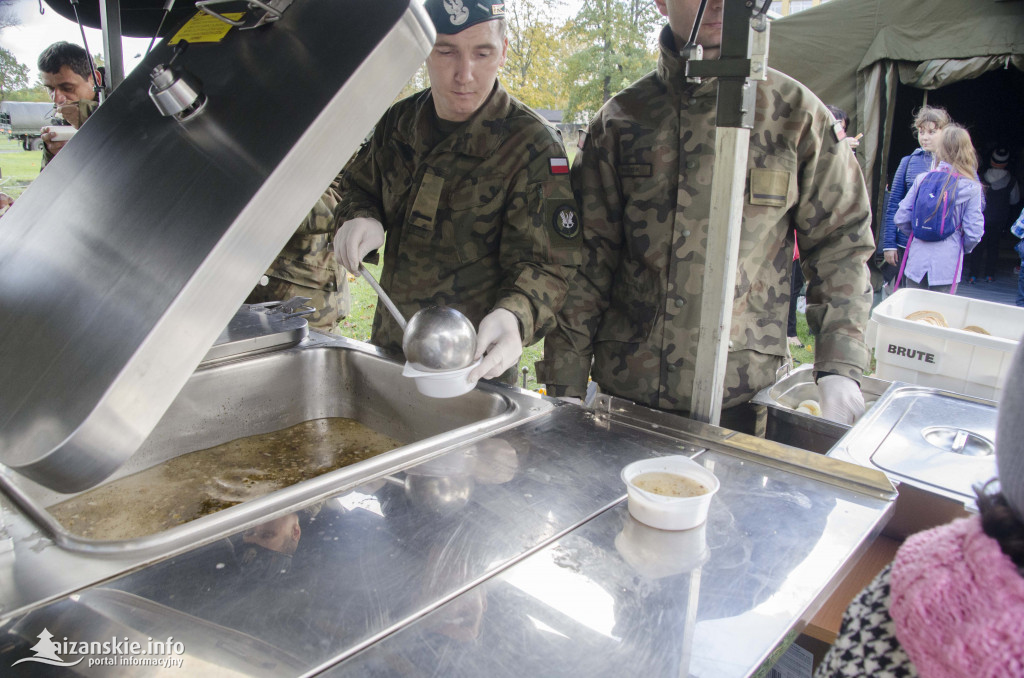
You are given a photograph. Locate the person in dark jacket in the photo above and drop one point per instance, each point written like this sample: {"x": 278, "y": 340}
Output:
{"x": 1002, "y": 193}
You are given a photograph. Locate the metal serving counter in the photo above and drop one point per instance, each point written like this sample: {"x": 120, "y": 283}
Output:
{"x": 505, "y": 552}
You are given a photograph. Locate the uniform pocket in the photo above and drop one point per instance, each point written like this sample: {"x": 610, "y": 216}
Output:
{"x": 633, "y": 311}
{"x": 477, "y": 214}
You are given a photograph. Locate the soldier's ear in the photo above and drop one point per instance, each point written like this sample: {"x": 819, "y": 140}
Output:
{"x": 504, "y": 52}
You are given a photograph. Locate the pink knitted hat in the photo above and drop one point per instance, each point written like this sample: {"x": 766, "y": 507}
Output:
{"x": 957, "y": 599}
{"x": 958, "y": 604}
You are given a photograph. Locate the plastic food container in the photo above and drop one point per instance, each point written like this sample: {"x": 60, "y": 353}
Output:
{"x": 948, "y": 358}
{"x": 442, "y": 384}
{"x": 669, "y": 512}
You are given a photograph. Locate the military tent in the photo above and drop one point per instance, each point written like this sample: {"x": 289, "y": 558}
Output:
{"x": 879, "y": 60}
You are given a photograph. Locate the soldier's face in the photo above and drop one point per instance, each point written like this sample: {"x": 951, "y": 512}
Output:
{"x": 681, "y": 15}
{"x": 463, "y": 68}
{"x": 66, "y": 86}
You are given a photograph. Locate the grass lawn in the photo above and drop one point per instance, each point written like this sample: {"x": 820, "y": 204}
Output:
{"x": 18, "y": 167}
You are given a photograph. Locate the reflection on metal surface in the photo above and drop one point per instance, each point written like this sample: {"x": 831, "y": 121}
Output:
{"x": 584, "y": 605}
{"x": 958, "y": 441}
{"x": 117, "y": 619}
{"x": 554, "y": 580}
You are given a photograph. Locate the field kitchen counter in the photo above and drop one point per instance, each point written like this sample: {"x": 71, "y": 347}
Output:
{"x": 506, "y": 549}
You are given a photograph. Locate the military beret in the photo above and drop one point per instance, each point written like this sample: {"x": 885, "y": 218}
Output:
{"x": 454, "y": 16}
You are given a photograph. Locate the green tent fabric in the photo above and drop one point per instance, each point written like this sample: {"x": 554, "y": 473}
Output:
{"x": 852, "y": 53}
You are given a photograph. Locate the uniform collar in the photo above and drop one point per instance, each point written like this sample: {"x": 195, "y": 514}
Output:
{"x": 672, "y": 68}
{"x": 479, "y": 136}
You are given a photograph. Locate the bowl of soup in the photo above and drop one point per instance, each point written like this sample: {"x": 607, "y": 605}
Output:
{"x": 669, "y": 493}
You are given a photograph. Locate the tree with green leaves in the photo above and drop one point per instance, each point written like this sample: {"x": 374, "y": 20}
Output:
{"x": 611, "y": 49}
{"x": 12, "y": 74}
{"x": 536, "y": 54}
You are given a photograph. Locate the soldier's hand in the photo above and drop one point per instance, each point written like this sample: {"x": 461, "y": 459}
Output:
{"x": 499, "y": 342}
{"x": 841, "y": 399}
{"x": 355, "y": 239}
{"x": 48, "y": 138}
{"x": 892, "y": 257}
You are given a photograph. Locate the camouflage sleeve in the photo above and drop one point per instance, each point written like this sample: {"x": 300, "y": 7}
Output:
{"x": 359, "y": 186}
{"x": 834, "y": 235}
{"x": 568, "y": 350}
{"x": 540, "y": 241}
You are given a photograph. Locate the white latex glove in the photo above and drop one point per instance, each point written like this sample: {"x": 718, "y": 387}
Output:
{"x": 499, "y": 342}
{"x": 355, "y": 239}
{"x": 841, "y": 399}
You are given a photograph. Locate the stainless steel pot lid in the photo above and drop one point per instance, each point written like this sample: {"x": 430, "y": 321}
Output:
{"x": 128, "y": 256}
{"x": 937, "y": 440}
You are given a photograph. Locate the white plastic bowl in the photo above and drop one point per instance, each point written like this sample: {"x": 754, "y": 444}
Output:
{"x": 663, "y": 512}
{"x": 441, "y": 384}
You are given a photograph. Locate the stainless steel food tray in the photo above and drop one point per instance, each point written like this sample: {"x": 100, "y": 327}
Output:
{"x": 799, "y": 429}
{"x": 325, "y": 377}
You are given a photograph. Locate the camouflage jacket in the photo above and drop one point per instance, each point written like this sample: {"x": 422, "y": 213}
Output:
{"x": 484, "y": 219}
{"x": 306, "y": 267}
{"x": 308, "y": 257}
{"x": 643, "y": 182}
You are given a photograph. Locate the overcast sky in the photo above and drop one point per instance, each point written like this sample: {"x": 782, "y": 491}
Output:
{"x": 39, "y": 30}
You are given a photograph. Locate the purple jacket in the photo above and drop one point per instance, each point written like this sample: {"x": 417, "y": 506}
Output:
{"x": 943, "y": 260}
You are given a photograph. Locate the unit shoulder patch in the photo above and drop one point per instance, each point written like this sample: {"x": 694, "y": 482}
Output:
{"x": 566, "y": 221}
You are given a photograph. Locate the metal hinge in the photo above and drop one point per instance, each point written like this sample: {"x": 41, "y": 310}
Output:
{"x": 273, "y": 9}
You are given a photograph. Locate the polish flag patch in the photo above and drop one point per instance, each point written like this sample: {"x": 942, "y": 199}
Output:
{"x": 559, "y": 165}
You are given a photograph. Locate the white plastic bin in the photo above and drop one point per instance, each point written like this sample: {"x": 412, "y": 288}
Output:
{"x": 948, "y": 358}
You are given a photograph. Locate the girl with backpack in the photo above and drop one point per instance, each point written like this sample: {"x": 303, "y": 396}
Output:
{"x": 942, "y": 215}
{"x": 928, "y": 122}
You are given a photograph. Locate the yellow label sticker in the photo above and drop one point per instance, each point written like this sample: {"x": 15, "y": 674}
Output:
{"x": 205, "y": 28}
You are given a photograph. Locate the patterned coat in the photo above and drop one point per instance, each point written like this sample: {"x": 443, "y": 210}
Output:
{"x": 482, "y": 218}
{"x": 643, "y": 180}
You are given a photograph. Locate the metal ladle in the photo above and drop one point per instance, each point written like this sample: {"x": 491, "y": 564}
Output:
{"x": 436, "y": 338}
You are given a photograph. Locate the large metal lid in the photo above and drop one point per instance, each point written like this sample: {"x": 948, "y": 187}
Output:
{"x": 939, "y": 441}
{"x": 126, "y": 258}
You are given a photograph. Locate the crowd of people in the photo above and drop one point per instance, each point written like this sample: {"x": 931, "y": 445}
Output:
{"x": 470, "y": 194}
{"x": 976, "y": 203}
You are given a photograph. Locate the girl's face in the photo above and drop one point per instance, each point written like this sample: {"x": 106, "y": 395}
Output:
{"x": 926, "y": 135}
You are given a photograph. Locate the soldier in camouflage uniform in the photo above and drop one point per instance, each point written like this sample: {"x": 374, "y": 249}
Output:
{"x": 65, "y": 71}
{"x": 306, "y": 267}
{"x": 643, "y": 181}
{"x": 472, "y": 190}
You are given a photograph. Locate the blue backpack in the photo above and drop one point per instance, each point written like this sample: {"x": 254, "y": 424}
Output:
{"x": 932, "y": 218}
